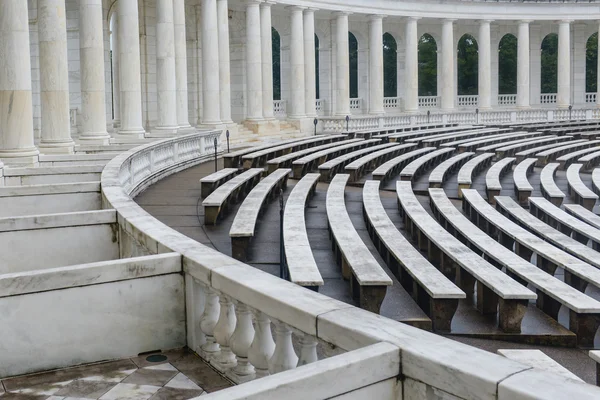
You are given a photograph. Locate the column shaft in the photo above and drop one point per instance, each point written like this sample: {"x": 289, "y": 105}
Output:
{"x": 183, "y": 119}
{"x": 16, "y": 110}
{"x": 310, "y": 63}
{"x": 411, "y": 73}
{"x": 267, "y": 60}
{"x": 166, "y": 81}
{"x": 376, "y": 65}
{"x": 563, "y": 95}
{"x": 54, "y": 77}
{"x": 485, "y": 66}
{"x": 297, "y": 104}
{"x": 253, "y": 63}
{"x": 523, "y": 65}
{"x": 448, "y": 67}
{"x": 211, "y": 103}
{"x": 129, "y": 68}
{"x": 342, "y": 72}
{"x": 116, "y": 87}
{"x": 224, "y": 66}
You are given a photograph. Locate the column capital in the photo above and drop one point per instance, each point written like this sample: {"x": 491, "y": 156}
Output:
{"x": 376, "y": 17}
{"x": 565, "y": 21}
{"x": 253, "y": 2}
{"x": 448, "y": 20}
{"x": 413, "y": 18}
{"x": 342, "y": 13}
{"x": 295, "y": 8}
{"x": 525, "y": 21}
{"x": 486, "y": 21}
{"x": 267, "y": 4}
{"x": 311, "y": 9}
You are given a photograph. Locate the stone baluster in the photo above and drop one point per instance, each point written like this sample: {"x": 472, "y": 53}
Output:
{"x": 240, "y": 343}
{"x": 284, "y": 357}
{"x": 224, "y": 359}
{"x": 199, "y": 298}
{"x": 263, "y": 346}
{"x": 308, "y": 349}
{"x": 208, "y": 323}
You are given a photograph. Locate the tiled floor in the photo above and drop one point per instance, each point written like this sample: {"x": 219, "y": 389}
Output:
{"x": 179, "y": 375}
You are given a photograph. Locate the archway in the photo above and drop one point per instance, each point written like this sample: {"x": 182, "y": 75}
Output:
{"x": 467, "y": 66}
{"x": 390, "y": 66}
{"x": 353, "y": 61}
{"x": 317, "y": 80}
{"x": 591, "y": 64}
{"x": 427, "y": 66}
{"x": 276, "y": 47}
{"x": 549, "y": 64}
{"x": 507, "y": 65}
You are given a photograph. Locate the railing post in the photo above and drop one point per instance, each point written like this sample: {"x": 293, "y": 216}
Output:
{"x": 308, "y": 349}
{"x": 208, "y": 323}
{"x": 242, "y": 338}
{"x": 224, "y": 359}
{"x": 263, "y": 346}
{"x": 284, "y": 357}
{"x": 195, "y": 299}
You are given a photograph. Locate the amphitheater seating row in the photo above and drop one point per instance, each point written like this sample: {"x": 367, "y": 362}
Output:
{"x": 361, "y": 166}
{"x": 509, "y": 149}
{"x": 438, "y": 176}
{"x": 421, "y": 164}
{"x": 493, "y": 186}
{"x": 472, "y": 168}
{"x": 329, "y": 168}
{"x": 393, "y": 167}
{"x": 578, "y": 191}
{"x": 548, "y": 186}
{"x": 523, "y": 188}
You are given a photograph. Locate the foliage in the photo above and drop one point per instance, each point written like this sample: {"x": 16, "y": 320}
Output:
{"x": 507, "y": 65}
{"x": 353, "y": 51}
{"x": 276, "y": 42}
{"x": 317, "y": 78}
{"x": 591, "y": 64}
{"x": 467, "y": 61}
{"x": 549, "y": 69}
{"x": 427, "y": 66}
{"x": 390, "y": 66}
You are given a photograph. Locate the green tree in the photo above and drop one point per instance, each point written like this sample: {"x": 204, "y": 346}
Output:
{"x": 591, "y": 64}
{"x": 549, "y": 70}
{"x": 317, "y": 80}
{"x": 427, "y": 66}
{"x": 276, "y": 47}
{"x": 390, "y": 66}
{"x": 467, "y": 64}
{"x": 353, "y": 51}
{"x": 507, "y": 65}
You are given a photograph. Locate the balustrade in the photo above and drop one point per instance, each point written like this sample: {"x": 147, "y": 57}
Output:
{"x": 590, "y": 98}
{"x": 467, "y": 101}
{"x": 507, "y": 99}
{"x": 279, "y": 108}
{"x": 393, "y": 103}
{"x": 548, "y": 98}
{"x": 320, "y": 106}
{"x": 356, "y": 104}
{"x": 429, "y": 101}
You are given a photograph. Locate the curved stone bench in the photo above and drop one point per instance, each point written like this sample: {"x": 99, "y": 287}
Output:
{"x": 433, "y": 292}
{"x": 368, "y": 280}
{"x": 210, "y": 183}
{"x": 509, "y": 145}
{"x": 440, "y": 173}
{"x": 474, "y": 145}
{"x": 493, "y": 187}
{"x": 394, "y": 130}
{"x": 589, "y": 161}
{"x": 392, "y": 167}
{"x": 359, "y": 167}
{"x": 244, "y": 224}
{"x": 488, "y": 134}
{"x": 218, "y": 202}
{"x": 562, "y": 152}
{"x": 401, "y": 137}
{"x": 596, "y": 180}
{"x": 301, "y": 265}
{"x": 532, "y": 151}
{"x": 457, "y": 137}
{"x": 578, "y": 191}
{"x": 523, "y": 188}
{"x": 496, "y": 292}
{"x": 330, "y": 168}
{"x": 570, "y": 158}
{"x": 234, "y": 159}
{"x": 472, "y": 168}
{"x": 548, "y": 186}
{"x": 583, "y": 214}
{"x": 416, "y": 167}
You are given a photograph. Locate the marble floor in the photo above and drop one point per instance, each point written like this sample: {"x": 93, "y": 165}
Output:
{"x": 173, "y": 375}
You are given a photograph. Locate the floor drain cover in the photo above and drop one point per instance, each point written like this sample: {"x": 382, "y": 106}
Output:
{"x": 156, "y": 358}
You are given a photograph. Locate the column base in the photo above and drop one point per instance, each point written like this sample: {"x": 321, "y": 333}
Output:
{"x": 101, "y": 138}
{"x": 135, "y": 133}
{"x": 304, "y": 125}
{"x": 262, "y": 126}
{"x": 58, "y": 147}
{"x": 22, "y": 157}
{"x": 116, "y": 123}
{"x": 185, "y": 129}
{"x": 160, "y": 132}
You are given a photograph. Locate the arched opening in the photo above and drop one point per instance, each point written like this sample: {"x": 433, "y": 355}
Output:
{"x": 276, "y": 43}
{"x": 507, "y": 65}
{"x": 390, "y": 66}
{"x": 591, "y": 64}
{"x": 427, "y": 66}
{"x": 549, "y": 63}
{"x": 353, "y": 60}
{"x": 317, "y": 81}
{"x": 467, "y": 66}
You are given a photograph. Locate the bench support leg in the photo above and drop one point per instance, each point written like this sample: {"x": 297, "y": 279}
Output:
{"x": 547, "y": 304}
{"x": 371, "y": 297}
{"x": 585, "y": 327}
{"x": 210, "y": 215}
{"x": 466, "y": 281}
{"x": 545, "y": 265}
{"x": 575, "y": 281}
{"x": 487, "y": 300}
{"x": 523, "y": 251}
{"x": 239, "y": 248}
{"x": 511, "y": 314}
{"x": 346, "y": 272}
{"x": 441, "y": 312}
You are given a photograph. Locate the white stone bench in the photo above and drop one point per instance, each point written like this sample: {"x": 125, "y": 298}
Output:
{"x": 209, "y": 183}
{"x": 496, "y": 292}
{"x": 392, "y": 167}
{"x": 473, "y": 145}
{"x": 472, "y": 168}
{"x": 563, "y": 222}
{"x": 330, "y": 168}
{"x": 234, "y": 159}
{"x": 578, "y": 191}
{"x": 548, "y": 186}
{"x": 416, "y": 167}
{"x": 595, "y": 355}
{"x": 561, "y": 153}
{"x": 21, "y": 176}
{"x": 49, "y": 199}
{"x": 509, "y": 149}
{"x": 508, "y": 145}
{"x": 589, "y": 161}
{"x": 493, "y": 187}
{"x": 402, "y": 137}
{"x": 398, "y": 130}
{"x": 457, "y": 141}
{"x": 259, "y": 158}
{"x": 219, "y": 201}
{"x": 583, "y": 214}
{"x": 359, "y": 167}
{"x": 523, "y": 188}
{"x": 244, "y": 224}
{"x": 285, "y": 161}
{"x": 57, "y": 240}
{"x": 368, "y": 280}
{"x": 301, "y": 266}
{"x": 539, "y": 360}
{"x": 532, "y": 151}
{"x": 567, "y": 159}
{"x": 460, "y": 137}
{"x": 441, "y": 171}
{"x": 593, "y": 135}
{"x": 524, "y": 243}
{"x": 434, "y": 293}
{"x": 551, "y": 291}
{"x": 309, "y": 162}
{"x": 596, "y": 180}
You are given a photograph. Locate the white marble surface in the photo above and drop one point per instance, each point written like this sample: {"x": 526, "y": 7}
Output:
{"x": 376, "y": 65}
{"x": 224, "y": 61}
{"x": 342, "y": 71}
{"x": 166, "y": 81}
{"x": 296, "y": 104}
{"x": 181, "y": 68}
{"x": 266, "y": 47}
{"x": 537, "y": 359}
{"x": 532, "y": 384}
{"x": 254, "y": 62}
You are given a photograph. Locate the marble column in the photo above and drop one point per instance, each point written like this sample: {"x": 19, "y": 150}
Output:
{"x": 166, "y": 80}
{"x": 16, "y": 110}
{"x": 342, "y": 72}
{"x": 563, "y": 95}
{"x": 54, "y": 78}
{"x": 297, "y": 99}
{"x": 254, "y": 61}
{"x": 224, "y": 67}
{"x": 485, "y": 65}
{"x": 129, "y": 69}
{"x": 211, "y": 99}
{"x": 523, "y": 65}
{"x": 266, "y": 39}
{"x": 376, "y": 64}
{"x": 448, "y": 65}
{"x": 310, "y": 82}
{"x": 411, "y": 67}
{"x": 116, "y": 87}
{"x": 181, "y": 72}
